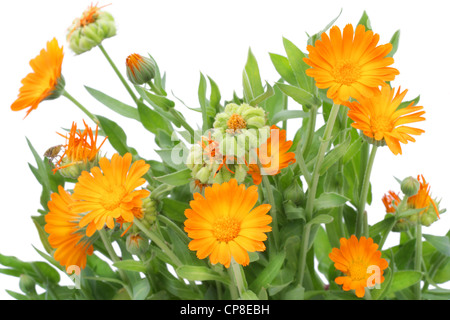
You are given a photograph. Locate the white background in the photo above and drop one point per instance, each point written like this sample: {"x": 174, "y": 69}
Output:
{"x": 212, "y": 37}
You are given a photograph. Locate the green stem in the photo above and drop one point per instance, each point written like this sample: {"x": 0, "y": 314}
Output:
{"x": 183, "y": 123}
{"x": 312, "y": 189}
{"x": 311, "y": 128}
{"x": 300, "y": 161}
{"x": 80, "y": 106}
{"x": 122, "y": 79}
{"x": 304, "y": 250}
{"x": 360, "y": 224}
{"x": 418, "y": 256}
{"x": 159, "y": 242}
{"x": 273, "y": 209}
{"x": 113, "y": 256}
{"x": 238, "y": 277}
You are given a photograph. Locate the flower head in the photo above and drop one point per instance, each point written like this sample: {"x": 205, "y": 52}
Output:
{"x": 90, "y": 29}
{"x": 80, "y": 151}
{"x": 358, "y": 260}
{"x": 65, "y": 235}
{"x": 381, "y": 120}
{"x": 223, "y": 224}
{"x": 273, "y": 155}
{"x": 350, "y": 64}
{"x": 45, "y": 82}
{"x": 390, "y": 200}
{"x": 423, "y": 200}
{"x": 140, "y": 69}
{"x": 108, "y": 192}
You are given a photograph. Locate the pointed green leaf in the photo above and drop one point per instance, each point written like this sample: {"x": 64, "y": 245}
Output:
{"x": 116, "y": 136}
{"x": 298, "y": 94}
{"x": 442, "y": 244}
{"x": 403, "y": 280}
{"x": 251, "y": 78}
{"x": 283, "y": 67}
{"x": 130, "y": 265}
{"x": 288, "y": 114}
{"x": 200, "y": 273}
{"x": 295, "y": 57}
{"x": 152, "y": 120}
{"x": 365, "y": 21}
{"x": 329, "y": 200}
{"x": 114, "y": 104}
{"x": 178, "y": 178}
{"x": 394, "y": 41}
{"x": 264, "y": 96}
{"x": 265, "y": 277}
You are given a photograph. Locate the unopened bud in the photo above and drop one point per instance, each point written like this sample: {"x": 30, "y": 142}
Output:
{"x": 410, "y": 186}
{"x": 140, "y": 69}
{"x": 27, "y": 284}
{"x": 136, "y": 244}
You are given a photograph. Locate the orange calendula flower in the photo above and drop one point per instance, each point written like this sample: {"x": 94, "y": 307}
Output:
{"x": 350, "y": 64}
{"x": 361, "y": 263}
{"x": 108, "y": 192}
{"x": 381, "y": 120}
{"x": 422, "y": 199}
{"x": 273, "y": 155}
{"x": 45, "y": 82}
{"x": 71, "y": 244}
{"x": 80, "y": 148}
{"x": 389, "y": 200}
{"x": 224, "y": 225}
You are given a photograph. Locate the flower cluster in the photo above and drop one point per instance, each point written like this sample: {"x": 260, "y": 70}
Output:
{"x": 243, "y": 215}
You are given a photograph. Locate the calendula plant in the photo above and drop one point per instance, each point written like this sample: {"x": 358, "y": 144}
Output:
{"x": 233, "y": 209}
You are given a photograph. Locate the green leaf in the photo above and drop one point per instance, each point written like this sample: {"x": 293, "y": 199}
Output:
{"x": 178, "y": 178}
{"x": 141, "y": 289}
{"x": 403, "y": 280}
{"x": 381, "y": 227}
{"x": 113, "y": 104}
{"x": 283, "y": 67}
{"x": 43, "y": 236}
{"x": 214, "y": 99}
{"x": 203, "y": 102}
{"x": 365, "y": 21}
{"x": 174, "y": 209}
{"x": 288, "y": 114}
{"x": 442, "y": 244}
{"x": 152, "y": 120}
{"x": 329, "y": 200}
{"x": 116, "y": 136}
{"x": 293, "y": 212}
{"x": 251, "y": 78}
{"x": 321, "y": 218}
{"x": 297, "y": 293}
{"x": 298, "y": 94}
{"x": 353, "y": 149}
{"x": 200, "y": 273}
{"x": 378, "y": 294}
{"x": 265, "y": 277}
{"x": 45, "y": 272}
{"x": 334, "y": 155}
{"x": 248, "y": 295}
{"x": 130, "y": 265}
{"x": 394, "y": 41}
{"x": 264, "y": 96}
{"x": 312, "y": 39}
{"x": 295, "y": 57}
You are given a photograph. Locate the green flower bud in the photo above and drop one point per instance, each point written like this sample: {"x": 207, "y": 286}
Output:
{"x": 195, "y": 156}
{"x": 136, "y": 244}
{"x": 203, "y": 175}
{"x": 90, "y": 30}
{"x": 240, "y": 172}
{"x": 410, "y": 186}
{"x": 73, "y": 171}
{"x": 294, "y": 193}
{"x": 27, "y": 284}
{"x": 238, "y": 117}
{"x": 140, "y": 69}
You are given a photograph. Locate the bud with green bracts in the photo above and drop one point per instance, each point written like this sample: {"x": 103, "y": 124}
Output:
{"x": 136, "y": 244}
{"x": 238, "y": 117}
{"x": 74, "y": 169}
{"x": 27, "y": 284}
{"x": 140, "y": 69}
{"x": 83, "y": 38}
{"x": 410, "y": 186}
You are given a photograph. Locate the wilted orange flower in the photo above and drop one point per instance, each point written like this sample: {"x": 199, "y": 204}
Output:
{"x": 361, "y": 263}
{"x": 273, "y": 155}
{"x": 80, "y": 147}
{"x": 223, "y": 224}
{"x": 380, "y": 119}
{"x": 65, "y": 235}
{"x": 45, "y": 82}
{"x": 389, "y": 199}
{"x": 108, "y": 192}
{"x": 422, "y": 199}
{"x": 350, "y": 64}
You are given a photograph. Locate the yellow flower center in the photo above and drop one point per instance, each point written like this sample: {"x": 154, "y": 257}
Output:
{"x": 226, "y": 229}
{"x": 346, "y": 72}
{"x": 381, "y": 124}
{"x": 236, "y": 122}
{"x": 113, "y": 199}
{"x": 357, "y": 270}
